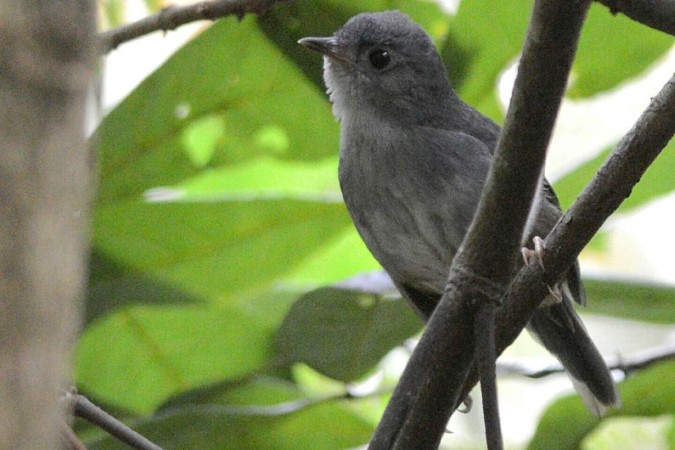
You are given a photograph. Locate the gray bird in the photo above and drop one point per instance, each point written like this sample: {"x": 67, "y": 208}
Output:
{"x": 413, "y": 161}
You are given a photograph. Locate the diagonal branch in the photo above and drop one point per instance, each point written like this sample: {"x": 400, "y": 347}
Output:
{"x": 84, "y": 408}
{"x": 430, "y": 388}
{"x": 174, "y": 16}
{"x": 657, "y": 14}
{"x": 603, "y": 195}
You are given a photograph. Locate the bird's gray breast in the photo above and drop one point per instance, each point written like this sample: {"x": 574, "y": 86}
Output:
{"x": 409, "y": 202}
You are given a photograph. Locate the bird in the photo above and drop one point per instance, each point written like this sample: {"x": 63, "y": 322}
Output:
{"x": 413, "y": 161}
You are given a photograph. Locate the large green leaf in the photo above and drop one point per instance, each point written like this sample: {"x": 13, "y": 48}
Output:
{"x": 342, "y": 332}
{"x": 484, "y": 38}
{"x": 612, "y": 49}
{"x": 265, "y": 178}
{"x": 341, "y": 258}
{"x": 211, "y": 250}
{"x": 621, "y": 298}
{"x": 564, "y": 425}
{"x": 227, "y": 96}
{"x": 152, "y": 353}
{"x": 632, "y": 433}
{"x": 657, "y": 180}
{"x": 112, "y": 12}
{"x": 113, "y": 285}
{"x": 246, "y": 418}
{"x": 197, "y": 254}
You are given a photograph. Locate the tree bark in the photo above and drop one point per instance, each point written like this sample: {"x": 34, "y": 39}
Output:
{"x": 45, "y": 68}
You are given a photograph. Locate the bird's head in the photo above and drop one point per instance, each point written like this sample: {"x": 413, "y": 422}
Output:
{"x": 383, "y": 63}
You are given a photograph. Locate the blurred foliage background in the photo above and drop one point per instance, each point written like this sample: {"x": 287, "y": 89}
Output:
{"x": 218, "y": 316}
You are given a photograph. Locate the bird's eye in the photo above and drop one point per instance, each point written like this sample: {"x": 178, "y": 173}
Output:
{"x": 379, "y": 59}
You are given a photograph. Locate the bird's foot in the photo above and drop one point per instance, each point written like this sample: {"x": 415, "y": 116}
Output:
{"x": 554, "y": 298}
{"x": 467, "y": 404}
{"x": 534, "y": 256}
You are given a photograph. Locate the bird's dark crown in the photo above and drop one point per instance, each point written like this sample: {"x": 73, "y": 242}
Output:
{"x": 384, "y": 28}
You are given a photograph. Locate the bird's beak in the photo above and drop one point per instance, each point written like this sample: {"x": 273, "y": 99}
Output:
{"x": 327, "y": 46}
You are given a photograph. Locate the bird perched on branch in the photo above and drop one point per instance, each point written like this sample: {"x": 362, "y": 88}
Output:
{"x": 413, "y": 161}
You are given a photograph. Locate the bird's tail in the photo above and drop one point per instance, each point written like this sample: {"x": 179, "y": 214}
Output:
{"x": 560, "y": 330}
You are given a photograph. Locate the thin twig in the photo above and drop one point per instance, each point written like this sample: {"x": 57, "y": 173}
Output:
{"x": 82, "y": 407}
{"x": 657, "y": 14}
{"x": 70, "y": 439}
{"x": 172, "y": 17}
{"x": 626, "y": 364}
{"x": 487, "y": 356}
{"x": 274, "y": 410}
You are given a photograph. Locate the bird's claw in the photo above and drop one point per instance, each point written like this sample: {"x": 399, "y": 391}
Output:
{"x": 467, "y": 404}
{"x": 534, "y": 256}
{"x": 555, "y": 293}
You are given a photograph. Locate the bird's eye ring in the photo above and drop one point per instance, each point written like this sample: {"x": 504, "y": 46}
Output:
{"x": 379, "y": 58}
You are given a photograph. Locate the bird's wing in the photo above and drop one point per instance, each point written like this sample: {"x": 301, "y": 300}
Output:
{"x": 423, "y": 303}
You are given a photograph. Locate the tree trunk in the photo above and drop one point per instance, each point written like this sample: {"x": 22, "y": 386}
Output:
{"x": 45, "y": 68}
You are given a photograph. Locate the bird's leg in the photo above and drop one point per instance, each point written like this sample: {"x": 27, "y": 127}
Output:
{"x": 537, "y": 256}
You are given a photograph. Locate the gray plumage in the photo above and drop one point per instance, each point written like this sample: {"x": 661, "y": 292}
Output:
{"x": 413, "y": 161}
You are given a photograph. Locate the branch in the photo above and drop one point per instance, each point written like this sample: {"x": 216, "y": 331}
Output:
{"x": 486, "y": 357}
{"x": 657, "y": 14}
{"x": 273, "y": 410}
{"x": 430, "y": 388}
{"x": 172, "y": 17}
{"x": 69, "y": 439}
{"x": 603, "y": 195}
{"x": 82, "y": 407}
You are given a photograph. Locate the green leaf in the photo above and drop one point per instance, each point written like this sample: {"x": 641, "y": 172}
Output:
{"x": 620, "y": 298}
{"x": 153, "y": 353}
{"x": 630, "y": 433}
{"x": 263, "y": 178}
{"x": 657, "y": 180}
{"x": 210, "y": 251}
{"x": 343, "y": 333}
{"x": 613, "y": 48}
{"x": 153, "y": 5}
{"x": 198, "y": 254}
{"x": 239, "y": 420}
{"x": 112, "y": 12}
{"x": 564, "y": 425}
{"x": 485, "y": 37}
{"x": 342, "y": 257}
{"x": 113, "y": 286}
{"x": 227, "y": 96}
